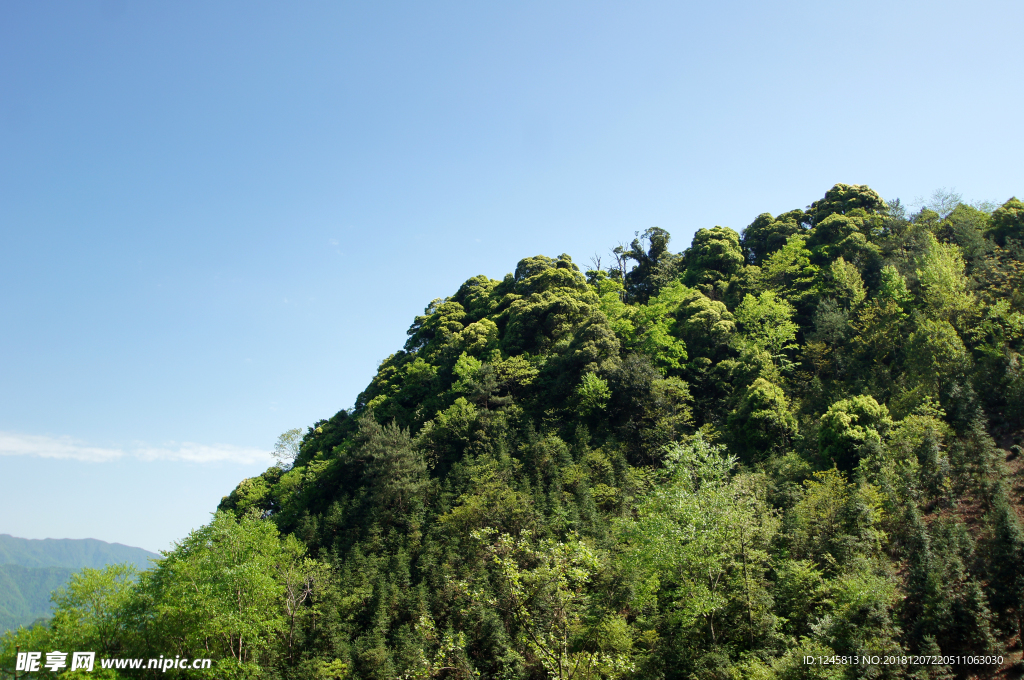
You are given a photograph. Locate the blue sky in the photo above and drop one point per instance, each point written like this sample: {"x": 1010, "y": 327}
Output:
{"x": 217, "y": 218}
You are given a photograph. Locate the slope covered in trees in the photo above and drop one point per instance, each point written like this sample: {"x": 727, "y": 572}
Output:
{"x": 30, "y": 569}
{"x": 798, "y": 440}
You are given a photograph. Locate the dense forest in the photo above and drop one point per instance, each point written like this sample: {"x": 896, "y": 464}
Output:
{"x": 801, "y": 440}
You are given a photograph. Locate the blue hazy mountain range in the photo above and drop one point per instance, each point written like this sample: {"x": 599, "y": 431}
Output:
{"x": 32, "y": 569}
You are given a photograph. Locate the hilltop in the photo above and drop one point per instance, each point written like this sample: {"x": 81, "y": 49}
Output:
{"x": 799, "y": 440}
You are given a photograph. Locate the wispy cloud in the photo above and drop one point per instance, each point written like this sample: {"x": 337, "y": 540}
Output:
{"x": 203, "y": 453}
{"x": 12, "y": 444}
{"x": 41, "y": 446}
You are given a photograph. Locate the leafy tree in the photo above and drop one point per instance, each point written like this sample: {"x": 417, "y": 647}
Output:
{"x": 544, "y": 592}
{"x": 788, "y": 271}
{"x": 93, "y": 610}
{"x": 937, "y": 357}
{"x": 712, "y": 259}
{"x": 701, "y": 542}
{"x": 767, "y": 234}
{"x": 842, "y": 281}
{"x": 593, "y": 394}
{"x": 655, "y": 265}
{"x": 843, "y": 199}
{"x": 655, "y": 332}
{"x": 287, "y": 448}
{"x": 849, "y": 427}
{"x": 216, "y": 591}
{"x": 766, "y": 323}
{"x": 762, "y": 423}
{"x": 880, "y": 324}
{"x": 836, "y": 523}
{"x": 1008, "y": 221}
{"x": 705, "y": 325}
{"x": 944, "y": 287}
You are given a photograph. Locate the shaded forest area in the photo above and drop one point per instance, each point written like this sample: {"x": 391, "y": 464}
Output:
{"x": 802, "y": 440}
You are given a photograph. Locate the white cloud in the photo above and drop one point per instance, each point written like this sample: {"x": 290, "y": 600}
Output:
{"x": 14, "y": 444}
{"x": 203, "y": 453}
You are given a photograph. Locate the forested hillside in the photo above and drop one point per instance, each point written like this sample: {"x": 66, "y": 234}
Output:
{"x": 803, "y": 439}
{"x": 25, "y": 593}
{"x": 31, "y": 569}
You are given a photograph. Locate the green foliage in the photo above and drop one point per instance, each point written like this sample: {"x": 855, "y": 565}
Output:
{"x": 593, "y": 394}
{"x": 287, "y": 448}
{"x": 655, "y": 266}
{"x": 936, "y": 357}
{"x": 842, "y": 281}
{"x": 1006, "y": 571}
{"x": 767, "y": 234}
{"x": 1008, "y": 221}
{"x": 851, "y": 427}
{"x": 836, "y": 523}
{"x": 90, "y": 610}
{"x": 843, "y": 199}
{"x": 766, "y": 323}
{"x": 945, "y": 604}
{"x": 545, "y": 592}
{"x": 700, "y": 545}
{"x": 944, "y": 287}
{"x": 762, "y": 423}
{"x": 217, "y": 590}
{"x": 395, "y": 470}
{"x": 712, "y": 259}
{"x": 706, "y": 466}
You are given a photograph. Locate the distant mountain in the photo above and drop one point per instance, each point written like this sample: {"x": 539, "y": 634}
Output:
{"x": 72, "y": 553}
{"x": 32, "y": 569}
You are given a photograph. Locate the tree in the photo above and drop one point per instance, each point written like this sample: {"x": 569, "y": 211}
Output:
{"x": 701, "y": 542}
{"x": 712, "y": 259}
{"x": 654, "y": 327}
{"x": 287, "y": 448}
{"x": 1006, "y": 564}
{"x": 843, "y": 199}
{"x": 766, "y": 323}
{"x": 880, "y": 323}
{"x": 835, "y": 523}
{"x": 761, "y": 423}
{"x": 790, "y": 273}
{"x": 545, "y": 591}
{"x": 92, "y": 610}
{"x": 1008, "y": 221}
{"x": 655, "y": 266}
{"x": 592, "y": 394}
{"x": 945, "y": 603}
{"x": 936, "y": 357}
{"x": 945, "y": 289}
{"x": 305, "y": 581}
{"x": 396, "y": 472}
{"x": 944, "y": 201}
{"x": 216, "y": 592}
{"x": 767, "y": 234}
{"x": 842, "y": 281}
{"x": 849, "y": 426}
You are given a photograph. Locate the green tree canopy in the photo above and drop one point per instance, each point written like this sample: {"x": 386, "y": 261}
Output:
{"x": 842, "y": 199}
{"x": 713, "y": 257}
